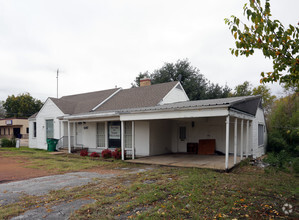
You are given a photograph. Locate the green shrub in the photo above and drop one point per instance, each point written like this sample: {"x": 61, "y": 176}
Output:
{"x": 276, "y": 142}
{"x": 5, "y": 142}
{"x": 279, "y": 160}
{"x": 295, "y": 165}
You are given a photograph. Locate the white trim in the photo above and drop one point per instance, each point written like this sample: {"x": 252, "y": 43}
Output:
{"x": 122, "y": 140}
{"x": 235, "y": 141}
{"x": 133, "y": 140}
{"x": 69, "y": 136}
{"x": 242, "y": 141}
{"x": 171, "y": 114}
{"x": 86, "y": 116}
{"x": 105, "y": 100}
{"x": 241, "y": 115}
{"x": 247, "y": 139}
{"x": 227, "y": 142}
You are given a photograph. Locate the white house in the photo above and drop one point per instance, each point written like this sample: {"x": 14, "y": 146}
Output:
{"x": 152, "y": 120}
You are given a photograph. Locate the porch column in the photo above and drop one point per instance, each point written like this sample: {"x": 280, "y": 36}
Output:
{"x": 247, "y": 138}
{"x": 235, "y": 141}
{"x": 122, "y": 141}
{"x": 106, "y": 135}
{"x": 242, "y": 141}
{"x": 133, "y": 140}
{"x": 227, "y": 142}
{"x": 69, "y": 136}
{"x": 74, "y": 133}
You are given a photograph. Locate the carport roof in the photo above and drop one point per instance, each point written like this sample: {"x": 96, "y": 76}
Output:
{"x": 246, "y": 104}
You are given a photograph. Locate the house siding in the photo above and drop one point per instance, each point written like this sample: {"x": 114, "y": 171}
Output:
{"x": 49, "y": 111}
{"x": 160, "y": 137}
{"x": 175, "y": 95}
{"x": 257, "y": 150}
{"x": 142, "y": 138}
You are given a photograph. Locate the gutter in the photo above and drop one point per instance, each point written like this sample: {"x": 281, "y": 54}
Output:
{"x": 87, "y": 116}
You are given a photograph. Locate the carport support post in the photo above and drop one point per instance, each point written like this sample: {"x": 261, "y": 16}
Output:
{"x": 69, "y": 136}
{"x": 227, "y": 142}
{"x": 247, "y": 138}
{"x": 133, "y": 140}
{"x": 242, "y": 141}
{"x": 122, "y": 141}
{"x": 235, "y": 141}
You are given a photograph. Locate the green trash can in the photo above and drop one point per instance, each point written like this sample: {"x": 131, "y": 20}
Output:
{"x": 52, "y": 142}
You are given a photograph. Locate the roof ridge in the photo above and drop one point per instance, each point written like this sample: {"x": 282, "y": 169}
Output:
{"x": 85, "y": 93}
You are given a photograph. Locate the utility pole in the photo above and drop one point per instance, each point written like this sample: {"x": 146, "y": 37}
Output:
{"x": 57, "y": 81}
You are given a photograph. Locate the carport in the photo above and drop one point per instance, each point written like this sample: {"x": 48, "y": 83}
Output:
{"x": 216, "y": 162}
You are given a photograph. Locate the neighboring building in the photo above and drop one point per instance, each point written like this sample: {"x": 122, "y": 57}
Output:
{"x": 14, "y": 127}
{"x": 152, "y": 120}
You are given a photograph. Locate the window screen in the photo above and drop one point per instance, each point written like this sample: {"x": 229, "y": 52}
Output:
{"x": 260, "y": 134}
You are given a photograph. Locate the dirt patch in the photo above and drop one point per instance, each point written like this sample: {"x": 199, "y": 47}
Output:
{"x": 13, "y": 169}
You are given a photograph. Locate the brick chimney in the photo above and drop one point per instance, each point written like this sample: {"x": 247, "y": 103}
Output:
{"x": 145, "y": 82}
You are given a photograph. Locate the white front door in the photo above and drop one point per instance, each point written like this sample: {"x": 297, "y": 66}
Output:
{"x": 182, "y": 137}
{"x": 78, "y": 133}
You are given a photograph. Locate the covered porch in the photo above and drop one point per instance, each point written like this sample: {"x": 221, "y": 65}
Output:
{"x": 216, "y": 162}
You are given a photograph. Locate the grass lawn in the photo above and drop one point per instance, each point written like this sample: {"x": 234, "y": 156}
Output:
{"x": 166, "y": 192}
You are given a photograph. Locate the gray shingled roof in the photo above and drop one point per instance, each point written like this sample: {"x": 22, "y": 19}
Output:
{"x": 80, "y": 103}
{"x": 138, "y": 97}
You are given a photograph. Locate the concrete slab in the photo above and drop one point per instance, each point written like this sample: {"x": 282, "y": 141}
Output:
{"x": 216, "y": 162}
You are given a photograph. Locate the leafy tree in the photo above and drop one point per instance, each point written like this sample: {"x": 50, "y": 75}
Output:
{"x": 195, "y": 84}
{"x": 244, "y": 89}
{"x": 283, "y": 125}
{"x": 23, "y": 105}
{"x": 2, "y": 110}
{"x": 272, "y": 38}
{"x": 267, "y": 97}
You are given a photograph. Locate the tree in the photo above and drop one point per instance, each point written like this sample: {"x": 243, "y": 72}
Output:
{"x": 195, "y": 84}
{"x": 244, "y": 89}
{"x": 272, "y": 38}
{"x": 23, "y": 105}
{"x": 283, "y": 125}
{"x": 2, "y": 110}
{"x": 267, "y": 97}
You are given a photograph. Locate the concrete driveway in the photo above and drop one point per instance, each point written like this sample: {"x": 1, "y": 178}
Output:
{"x": 11, "y": 193}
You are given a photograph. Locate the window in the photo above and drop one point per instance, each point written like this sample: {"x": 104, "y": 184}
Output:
{"x": 182, "y": 133}
{"x": 8, "y": 129}
{"x": 260, "y": 134}
{"x": 34, "y": 129}
{"x": 4, "y": 130}
{"x": 27, "y": 130}
{"x": 0, "y": 130}
{"x": 101, "y": 134}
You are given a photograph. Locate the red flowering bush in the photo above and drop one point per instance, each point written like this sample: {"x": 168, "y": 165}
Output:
{"x": 116, "y": 153}
{"x": 106, "y": 153}
{"x": 84, "y": 153}
{"x": 94, "y": 154}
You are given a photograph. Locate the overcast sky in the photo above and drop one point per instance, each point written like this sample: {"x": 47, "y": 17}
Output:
{"x": 102, "y": 44}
